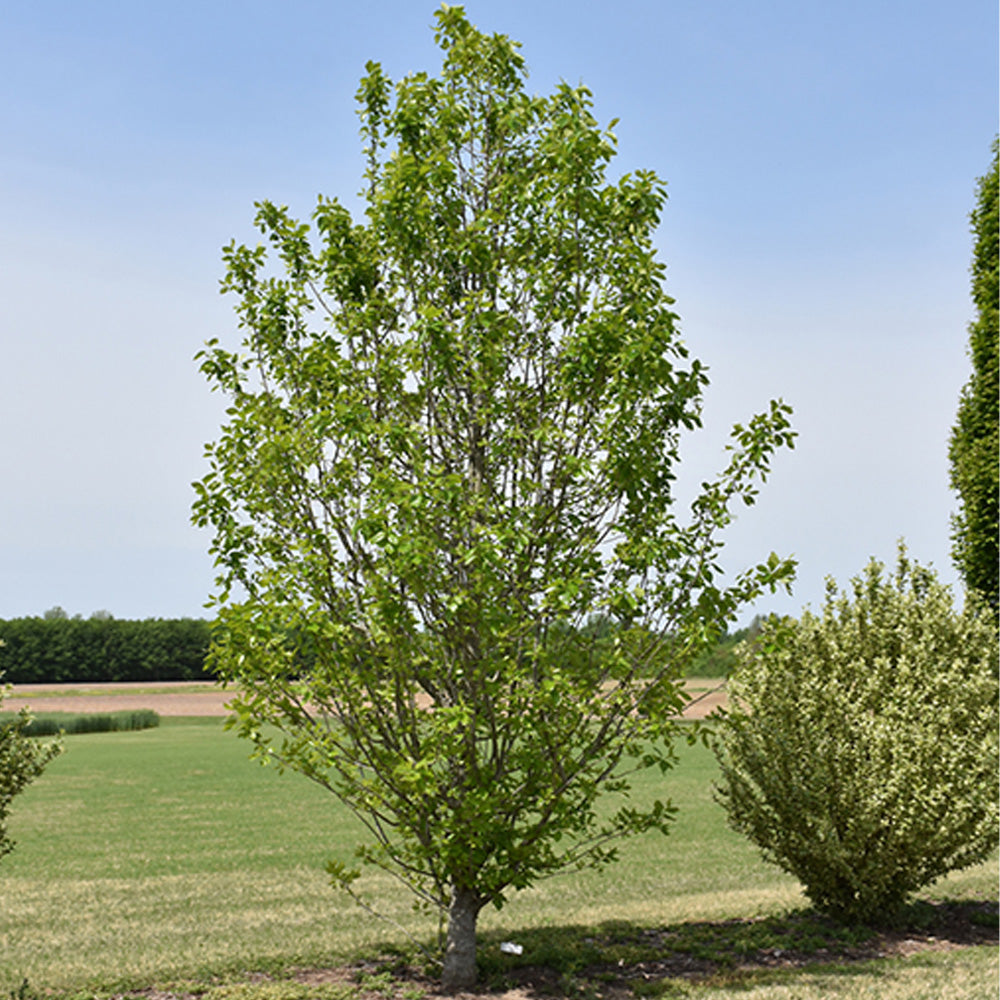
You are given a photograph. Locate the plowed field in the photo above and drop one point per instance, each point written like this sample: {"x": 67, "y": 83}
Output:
{"x": 184, "y": 698}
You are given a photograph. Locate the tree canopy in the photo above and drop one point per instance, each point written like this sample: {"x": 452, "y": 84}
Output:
{"x": 975, "y": 439}
{"x": 452, "y": 444}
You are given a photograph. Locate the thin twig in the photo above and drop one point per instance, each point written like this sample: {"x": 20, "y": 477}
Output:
{"x": 381, "y": 916}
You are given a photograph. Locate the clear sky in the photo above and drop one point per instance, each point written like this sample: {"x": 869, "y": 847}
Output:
{"x": 820, "y": 159}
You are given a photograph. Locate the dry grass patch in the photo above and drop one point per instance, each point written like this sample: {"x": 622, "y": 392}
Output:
{"x": 75, "y": 934}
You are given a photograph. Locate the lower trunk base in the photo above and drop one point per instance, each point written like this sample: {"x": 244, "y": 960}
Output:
{"x": 459, "y": 971}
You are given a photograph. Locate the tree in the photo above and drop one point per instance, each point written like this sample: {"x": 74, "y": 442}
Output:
{"x": 975, "y": 439}
{"x": 860, "y": 754}
{"x": 452, "y": 440}
{"x": 22, "y": 759}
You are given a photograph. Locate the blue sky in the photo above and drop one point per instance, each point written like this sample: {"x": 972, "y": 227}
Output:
{"x": 820, "y": 160}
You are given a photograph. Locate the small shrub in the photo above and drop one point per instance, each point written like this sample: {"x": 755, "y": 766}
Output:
{"x": 21, "y": 761}
{"x": 860, "y": 754}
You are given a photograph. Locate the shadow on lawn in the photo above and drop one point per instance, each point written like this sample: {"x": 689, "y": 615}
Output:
{"x": 625, "y": 960}
{"x": 565, "y": 959}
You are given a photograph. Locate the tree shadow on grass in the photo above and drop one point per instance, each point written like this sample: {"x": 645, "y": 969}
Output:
{"x": 621, "y": 960}
{"x": 617, "y": 956}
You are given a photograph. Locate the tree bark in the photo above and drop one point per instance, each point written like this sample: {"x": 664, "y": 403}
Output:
{"x": 460, "y": 948}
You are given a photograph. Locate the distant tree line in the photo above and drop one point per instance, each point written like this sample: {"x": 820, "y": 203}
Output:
{"x": 55, "y": 648}
{"x": 717, "y": 660}
{"x": 720, "y": 659}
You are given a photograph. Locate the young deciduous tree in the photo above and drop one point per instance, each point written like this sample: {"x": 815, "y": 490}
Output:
{"x": 860, "y": 754}
{"x": 452, "y": 440}
{"x": 975, "y": 438}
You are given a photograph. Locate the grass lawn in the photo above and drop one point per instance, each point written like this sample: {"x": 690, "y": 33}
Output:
{"x": 165, "y": 855}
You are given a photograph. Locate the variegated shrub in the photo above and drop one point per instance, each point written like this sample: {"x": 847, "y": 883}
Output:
{"x": 860, "y": 753}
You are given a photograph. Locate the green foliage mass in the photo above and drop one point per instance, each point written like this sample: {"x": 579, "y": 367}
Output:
{"x": 975, "y": 440}
{"x": 452, "y": 439}
{"x": 22, "y": 759}
{"x": 53, "y": 723}
{"x": 860, "y": 753}
{"x": 720, "y": 659}
{"x": 58, "y": 649}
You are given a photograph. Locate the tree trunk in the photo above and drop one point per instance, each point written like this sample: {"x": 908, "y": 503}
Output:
{"x": 460, "y": 948}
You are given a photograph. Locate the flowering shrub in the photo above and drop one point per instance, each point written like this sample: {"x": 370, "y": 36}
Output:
{"x": 860, "y": 754}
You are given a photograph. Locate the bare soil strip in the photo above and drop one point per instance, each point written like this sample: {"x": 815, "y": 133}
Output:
{"x": 177, "y": 698}
{"x": 168, "y": 698}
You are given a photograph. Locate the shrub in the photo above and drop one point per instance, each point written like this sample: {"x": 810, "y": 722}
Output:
{"x": 860, "y": 754}
{"x": 98, "y": 722}
{"x": 21, "y": 761}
